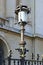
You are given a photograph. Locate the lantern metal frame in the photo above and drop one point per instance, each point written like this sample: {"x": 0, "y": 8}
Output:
{"x": 23, "y": 8}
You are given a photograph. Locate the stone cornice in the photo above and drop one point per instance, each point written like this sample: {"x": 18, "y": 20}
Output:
{"x": 36, "y": 35}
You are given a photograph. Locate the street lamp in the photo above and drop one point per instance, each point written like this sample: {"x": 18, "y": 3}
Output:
{"x": 22, "y": 11}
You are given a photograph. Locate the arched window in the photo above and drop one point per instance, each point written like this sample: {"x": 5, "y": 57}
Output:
{"x": 3, "y": 52}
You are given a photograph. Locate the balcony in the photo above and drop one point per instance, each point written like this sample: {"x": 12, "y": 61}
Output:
{"x": 5, "y": 24}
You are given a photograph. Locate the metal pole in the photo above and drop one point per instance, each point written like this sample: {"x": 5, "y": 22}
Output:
{"x": 22, "y": 42}
{"x": 22, "y": 33}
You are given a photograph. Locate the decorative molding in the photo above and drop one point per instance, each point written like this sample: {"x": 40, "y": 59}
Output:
{"x": 38, "y": 35}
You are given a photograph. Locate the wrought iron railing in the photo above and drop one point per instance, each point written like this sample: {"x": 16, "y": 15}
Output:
{"x": 12, "y": 61}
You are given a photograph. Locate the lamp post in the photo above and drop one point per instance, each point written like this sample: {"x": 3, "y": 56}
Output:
{"x": 22, "y": 11}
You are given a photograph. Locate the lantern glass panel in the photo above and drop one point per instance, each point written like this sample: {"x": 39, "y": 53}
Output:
{"x": 22, "y": 16}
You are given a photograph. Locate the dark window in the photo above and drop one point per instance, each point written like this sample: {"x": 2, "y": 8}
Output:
{"x": 1, "y": 54}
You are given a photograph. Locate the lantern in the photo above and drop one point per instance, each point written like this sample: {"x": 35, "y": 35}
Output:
{"x": 22, "y": 12}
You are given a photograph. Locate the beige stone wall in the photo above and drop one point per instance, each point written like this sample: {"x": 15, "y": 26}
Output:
{"x": 39, "y": 47}
{"x": 2, "y": 8}
{"x": 10, "y": 8}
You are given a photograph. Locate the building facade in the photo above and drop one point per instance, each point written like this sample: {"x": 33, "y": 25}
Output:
{"x": 10, "y": 33}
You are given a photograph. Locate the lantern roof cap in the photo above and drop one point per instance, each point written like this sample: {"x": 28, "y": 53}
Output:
{"x": 22, "y": 8}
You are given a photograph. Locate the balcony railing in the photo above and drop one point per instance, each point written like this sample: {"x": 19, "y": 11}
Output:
{"x": 4, "y": 24}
